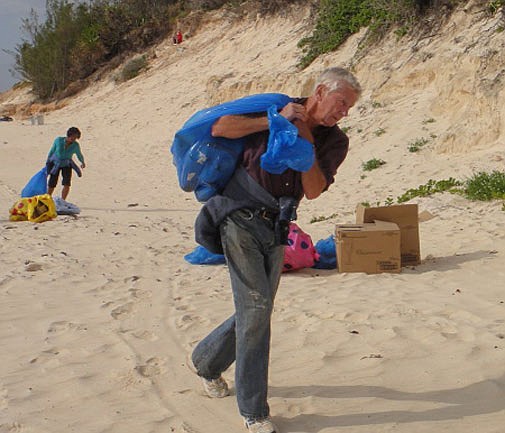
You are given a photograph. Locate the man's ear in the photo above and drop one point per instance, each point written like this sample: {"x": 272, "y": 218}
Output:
{"x": 320, "y": 92}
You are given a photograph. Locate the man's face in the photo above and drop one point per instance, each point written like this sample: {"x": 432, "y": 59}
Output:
{"x": 334, "y": 105}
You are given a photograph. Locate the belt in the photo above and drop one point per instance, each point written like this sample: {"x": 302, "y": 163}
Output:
{"x": 266, "y": 214}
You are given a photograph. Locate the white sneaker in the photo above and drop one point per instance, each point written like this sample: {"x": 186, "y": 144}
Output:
{"x": 264, "y": 425}
{"x": 215, "y": 388}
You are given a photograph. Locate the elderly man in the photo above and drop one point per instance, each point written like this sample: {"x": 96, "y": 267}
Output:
{"x": 252, "y": 235}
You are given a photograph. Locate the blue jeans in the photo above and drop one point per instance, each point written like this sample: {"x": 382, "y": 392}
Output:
{"x": 255, "y": 264}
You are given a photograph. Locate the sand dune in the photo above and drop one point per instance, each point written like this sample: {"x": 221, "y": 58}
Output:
{"x": 99, "y": 312}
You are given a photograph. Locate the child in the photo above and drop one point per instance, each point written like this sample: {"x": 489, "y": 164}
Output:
{"x": 60, "y": 159}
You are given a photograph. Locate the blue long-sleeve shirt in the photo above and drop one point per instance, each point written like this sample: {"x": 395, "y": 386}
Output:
{"x": 62, "y": 152}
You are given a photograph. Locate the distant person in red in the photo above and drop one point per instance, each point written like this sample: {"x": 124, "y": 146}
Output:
{"x": 177, "y": 37}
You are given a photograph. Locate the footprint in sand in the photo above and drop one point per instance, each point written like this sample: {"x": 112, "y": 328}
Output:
{"x": 49, "y": 358}
{"x": 63, "y": 326}
{"x": 145, "y": 335}
{"x": 14, "y": 427}
{"x": 152, "y": 367}
{"x": 187, "y": 320}
{"x": 323, "y": 315}
{"x": 185, "y": 428}
{"x": 122, "y": 311}
{"x": 140, "y": 294}
{"x": 33, "y": 267}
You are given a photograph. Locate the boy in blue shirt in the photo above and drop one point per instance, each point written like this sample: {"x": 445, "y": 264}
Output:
{"x": 60, "y": 159}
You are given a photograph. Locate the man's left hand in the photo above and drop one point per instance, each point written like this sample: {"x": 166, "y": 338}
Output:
{"x": 293, "y": 111}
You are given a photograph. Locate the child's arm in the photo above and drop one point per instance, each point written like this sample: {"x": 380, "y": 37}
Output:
{"x": 80, "y": 156}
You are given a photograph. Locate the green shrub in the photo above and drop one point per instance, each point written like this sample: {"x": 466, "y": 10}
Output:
{"x": 322, "y": 218}
{"x": 133, "y": 67}
{"x": 485, "y": 186}
{"x": 481, "y": 186}
{"x": 389, "y": 201}
{"x": 372, "y": 164}
{"x": 402, "y": 31}
{"x": 79, "y": 37}
{"x": 415, "y": 146}
{"x": 45, "y": 61}
{"x": 431, "y": 187}
{"x": 339, "y": 19}
{"x": 494, "y": 5}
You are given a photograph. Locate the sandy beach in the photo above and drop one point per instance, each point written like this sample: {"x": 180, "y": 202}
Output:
{"x": 99, "y": 312}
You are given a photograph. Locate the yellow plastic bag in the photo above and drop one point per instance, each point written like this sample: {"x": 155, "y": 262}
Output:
{"x": 37, "y": 209}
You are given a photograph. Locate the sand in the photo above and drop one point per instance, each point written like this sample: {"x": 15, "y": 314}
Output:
{"x": 98, "y": 313}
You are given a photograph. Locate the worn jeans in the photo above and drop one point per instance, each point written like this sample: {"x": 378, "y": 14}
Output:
{"x": 255, "y": 264}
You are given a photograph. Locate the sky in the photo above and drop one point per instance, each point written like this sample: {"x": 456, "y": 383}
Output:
{"x": 11, "y": 14}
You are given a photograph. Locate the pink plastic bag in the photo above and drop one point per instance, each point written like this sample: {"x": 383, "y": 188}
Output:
{"x": 300, "y": 251}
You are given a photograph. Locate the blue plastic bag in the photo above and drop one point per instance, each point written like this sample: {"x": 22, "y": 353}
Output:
{"x": 208, "y": 165}
{"x": 205, "y": 164}
{"x": 202, "y": 256}
{"x": 285, "y": 148}
{"x": 37, "y": 185}
{"x": 327, "y": 254}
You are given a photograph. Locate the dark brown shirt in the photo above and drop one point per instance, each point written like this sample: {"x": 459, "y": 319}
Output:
{"x": 331, "y": 149}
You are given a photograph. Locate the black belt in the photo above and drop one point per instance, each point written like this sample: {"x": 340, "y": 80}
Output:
{"x": 266, "y": 214}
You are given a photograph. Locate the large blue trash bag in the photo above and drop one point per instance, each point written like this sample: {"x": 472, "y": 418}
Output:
{"x": 204, "y": 163}
{"x": 285, "y": 148}
{"x": 327, "y": 253}
{"x": 202, "y": 256}
{"x": 37, "y": 185}
{"x": 208, "y": 165}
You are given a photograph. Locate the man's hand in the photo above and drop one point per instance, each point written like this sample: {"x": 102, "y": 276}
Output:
{"x": 293, "y": 111}
{"x": 83, "y": 165}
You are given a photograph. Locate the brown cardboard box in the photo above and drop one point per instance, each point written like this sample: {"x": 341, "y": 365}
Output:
{"x": 370, "y": 247}
{"x": 406, "y": 216}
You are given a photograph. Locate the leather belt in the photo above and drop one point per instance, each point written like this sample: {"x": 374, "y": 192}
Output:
{"x": 266, "y": 214}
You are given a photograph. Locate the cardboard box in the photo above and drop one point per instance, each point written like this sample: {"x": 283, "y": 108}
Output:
{"x": 370, "y": 247}
{"x": 406, "y": 216}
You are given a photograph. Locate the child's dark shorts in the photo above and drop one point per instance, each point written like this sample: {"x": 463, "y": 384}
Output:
{"x": 66, "y": 173}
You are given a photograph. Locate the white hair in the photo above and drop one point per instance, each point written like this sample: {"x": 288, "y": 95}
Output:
{"x": 334, "y": 78}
